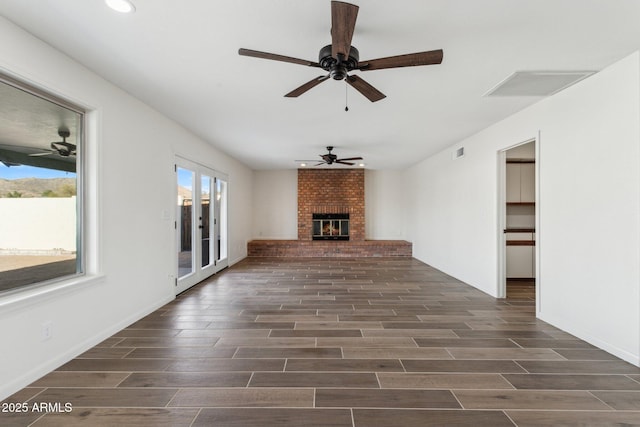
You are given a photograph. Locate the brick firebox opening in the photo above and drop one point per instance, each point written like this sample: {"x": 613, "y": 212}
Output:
{"x": 331, "y": 191}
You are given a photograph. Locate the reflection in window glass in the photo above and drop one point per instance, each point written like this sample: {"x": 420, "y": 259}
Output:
{"x": 40, "y": 201}
{"x": 185, "y": 220}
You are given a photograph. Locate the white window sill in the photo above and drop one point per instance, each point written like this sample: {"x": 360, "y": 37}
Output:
{"x": 21, "y": 299}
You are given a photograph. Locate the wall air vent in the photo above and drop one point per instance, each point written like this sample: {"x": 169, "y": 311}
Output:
{"x": 537, "y": 83}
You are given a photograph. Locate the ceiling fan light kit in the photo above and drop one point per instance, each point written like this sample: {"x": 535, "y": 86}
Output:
{"x": 340, "y": 58}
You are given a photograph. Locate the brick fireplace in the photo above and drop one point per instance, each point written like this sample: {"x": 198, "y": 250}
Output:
{"x": 336, "y": 195}
{"x": 331, "y": 191}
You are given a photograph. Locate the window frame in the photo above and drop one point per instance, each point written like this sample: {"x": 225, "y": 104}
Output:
{"x": 20, "y": 292}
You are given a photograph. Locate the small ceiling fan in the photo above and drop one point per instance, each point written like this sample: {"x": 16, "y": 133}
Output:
{"x": 62, "y": 148}
{"x": 340, "y": 57}
{"x": 330, "y": 158}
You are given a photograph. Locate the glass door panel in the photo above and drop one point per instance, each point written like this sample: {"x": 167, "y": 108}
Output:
{"x": 205, "y": 220}
{"x": 221, "y": 222}
{"x": 185, "y": 220}
{"x": 201, "y": 225}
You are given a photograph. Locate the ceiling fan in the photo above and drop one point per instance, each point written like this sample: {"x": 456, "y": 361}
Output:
{"x": 62, "y": 148}
{"x": 330, "y": 158}
{"x": 340, "y": 57}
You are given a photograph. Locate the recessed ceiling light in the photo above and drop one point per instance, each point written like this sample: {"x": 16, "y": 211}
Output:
{"x": 122, "y": 6}
{"x": 303, "y": 165}
{"x": 361, "y": 165}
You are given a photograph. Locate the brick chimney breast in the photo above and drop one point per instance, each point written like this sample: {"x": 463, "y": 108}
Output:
{"x": 329, "y": 191}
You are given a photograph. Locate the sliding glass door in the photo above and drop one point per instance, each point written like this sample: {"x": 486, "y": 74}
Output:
{"x": 201, "y": 225}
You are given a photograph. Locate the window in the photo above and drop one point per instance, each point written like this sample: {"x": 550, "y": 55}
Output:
{"x": 40, "y": 188}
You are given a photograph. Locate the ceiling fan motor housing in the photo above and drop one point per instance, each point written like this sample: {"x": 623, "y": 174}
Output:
{"x": 338, "y": 69}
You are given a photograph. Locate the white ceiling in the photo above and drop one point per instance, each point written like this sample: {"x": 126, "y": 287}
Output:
{"x": 181, "y": 57}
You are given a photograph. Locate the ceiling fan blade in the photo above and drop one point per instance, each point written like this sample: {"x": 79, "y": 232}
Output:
{"x": 305, "y": 87}
{"x": 343, "y": 24}
{"x": 276, "y": 57}
{"x": 365, "y": 88}
{"x": 321, "y": 163}
{"x": 409, "y": 60}
{"x": 350, "y": 158}
{"x": 344, "y": 163}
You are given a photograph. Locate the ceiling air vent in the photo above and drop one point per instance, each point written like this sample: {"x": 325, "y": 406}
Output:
{"x": 458, "y": 153}
{"x": 537, "y": 83}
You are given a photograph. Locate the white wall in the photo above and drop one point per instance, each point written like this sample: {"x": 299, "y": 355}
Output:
{"x": 38, "y": 224}
{"x": 384, "y": 201}
{"x": 131, "y": 185}
{"x": 589, "y": 207}
{"x": 451, "y": 214}
{"x": 275, "y": 204}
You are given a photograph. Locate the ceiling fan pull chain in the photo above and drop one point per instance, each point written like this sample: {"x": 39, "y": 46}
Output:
{"x": 346, "y": 96}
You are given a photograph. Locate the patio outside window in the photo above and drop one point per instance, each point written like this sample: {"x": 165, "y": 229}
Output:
{"x": 40, "y": 188}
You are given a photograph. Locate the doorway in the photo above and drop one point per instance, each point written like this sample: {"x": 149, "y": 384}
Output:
{"x": 518, "y": 222}
{"x": 201, "y": 223}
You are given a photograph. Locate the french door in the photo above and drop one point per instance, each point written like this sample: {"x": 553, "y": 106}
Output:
{"x": 201, "y": 223}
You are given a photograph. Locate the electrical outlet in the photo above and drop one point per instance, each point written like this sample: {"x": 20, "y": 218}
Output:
{"x": 47, "y": 330}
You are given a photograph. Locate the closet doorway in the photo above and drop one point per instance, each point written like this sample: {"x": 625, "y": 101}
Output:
{"x": 518, "y": 225}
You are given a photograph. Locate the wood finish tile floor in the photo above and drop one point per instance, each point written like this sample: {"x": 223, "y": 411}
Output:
{"x": 338, "y": 342}
{"x": 521, "y": 289}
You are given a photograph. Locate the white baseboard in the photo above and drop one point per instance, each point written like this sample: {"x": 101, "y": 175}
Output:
{"x": 39, "y": 371}
{"x": 562, "y": 324}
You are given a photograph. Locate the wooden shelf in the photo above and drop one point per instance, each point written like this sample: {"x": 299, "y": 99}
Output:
{"x": 521, "y": 242}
